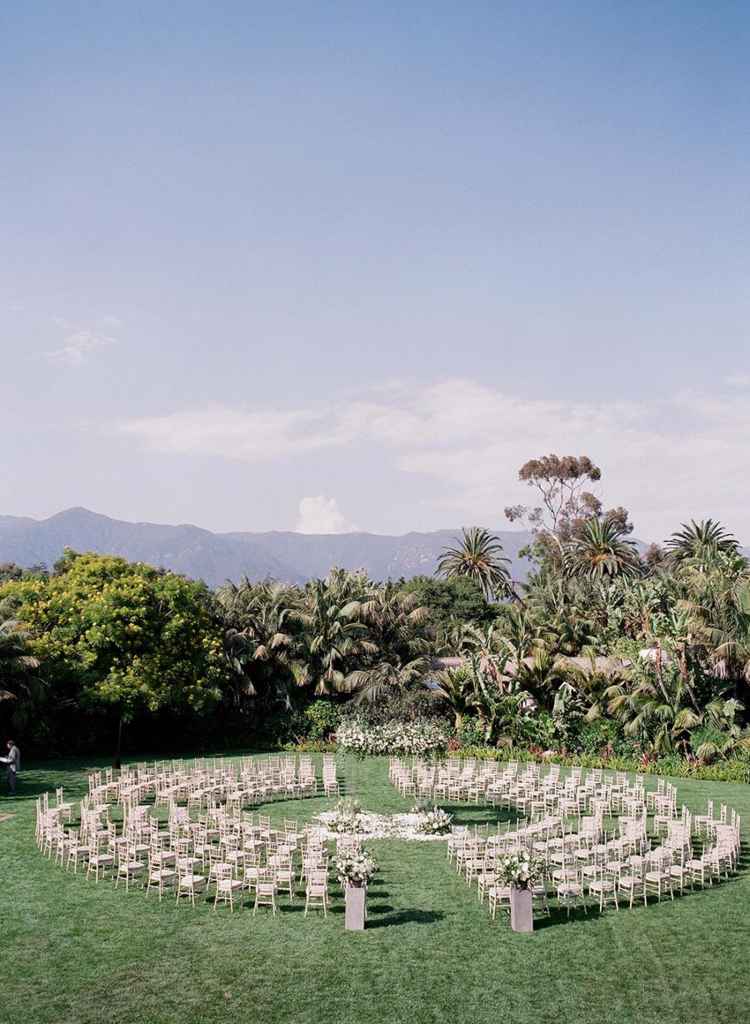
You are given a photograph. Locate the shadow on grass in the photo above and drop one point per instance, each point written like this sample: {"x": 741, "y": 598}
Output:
{"x": 559, "y": 916}
{"x": 479, "y": 814}
{"x": 31, "y": 790}
{"x": 405, "y": 917}
{"x": 379, "y": 908}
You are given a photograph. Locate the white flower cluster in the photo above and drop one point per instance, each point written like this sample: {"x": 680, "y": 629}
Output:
{"x": 378, "y": 826}
{"x": 345, "y": 817}
{"x": 520, "y": 869}
{"x": 355, "y": 867}
{"x": 435, "y": 822}
{"x": 395, "y": 737}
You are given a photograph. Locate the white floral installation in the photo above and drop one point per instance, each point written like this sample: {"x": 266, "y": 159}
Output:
{"x": 355, "y": 867}
{"x": 348, "y": 819}
{"x": 521, "y": 870}
{"x": 345, "y": 818}
{"x": 436, "y": 822}
{"x": 417, "y": 738}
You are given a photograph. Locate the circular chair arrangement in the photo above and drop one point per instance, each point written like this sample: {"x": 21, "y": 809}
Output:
{"x": 188, "y": 830}
{"x": 598, "y": 837}
{"x": 184, "y": 829}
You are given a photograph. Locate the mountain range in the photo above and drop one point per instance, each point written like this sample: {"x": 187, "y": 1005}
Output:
{"x": 218, "y": 557}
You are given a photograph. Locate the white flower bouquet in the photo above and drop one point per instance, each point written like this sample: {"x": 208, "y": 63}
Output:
{"x": 520, "y": 869}
{"x": 355, "y": 867}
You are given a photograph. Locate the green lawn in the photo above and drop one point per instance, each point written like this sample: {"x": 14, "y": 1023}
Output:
{"x": 74, "y": 952}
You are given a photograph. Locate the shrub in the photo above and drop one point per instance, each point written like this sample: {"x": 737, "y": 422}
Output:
{"x": 323, "y": 717}
{"x": 732, "y": 770}
{"x": 539, "y": 729}
{"x": 604, "y": 734}
{"x": 410, "y": 706}
{"x": 470, "y": 733}
{"x": 311, "y": 747}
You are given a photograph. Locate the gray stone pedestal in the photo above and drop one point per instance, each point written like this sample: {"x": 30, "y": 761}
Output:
{"x": 354, "y": 920}
{"x": 521, "y": 910}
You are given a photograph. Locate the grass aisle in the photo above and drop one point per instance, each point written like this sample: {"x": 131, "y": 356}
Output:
{"x": 78, "y": 953}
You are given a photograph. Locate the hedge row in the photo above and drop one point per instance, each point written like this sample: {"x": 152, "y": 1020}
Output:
{"x": 732, "y": 770}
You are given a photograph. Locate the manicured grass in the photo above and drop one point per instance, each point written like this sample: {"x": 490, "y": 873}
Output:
{"x": 78, "y": 953}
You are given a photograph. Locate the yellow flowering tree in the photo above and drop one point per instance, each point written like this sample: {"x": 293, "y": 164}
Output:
{"x": 109, "y": 632}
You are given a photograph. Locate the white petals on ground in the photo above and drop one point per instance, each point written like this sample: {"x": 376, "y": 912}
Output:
{"x": 378, "y": 826}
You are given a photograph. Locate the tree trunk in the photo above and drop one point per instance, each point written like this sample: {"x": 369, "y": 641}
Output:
{"x": 118, "y": 753}
{"x": 685, "y": 674}
{"x": 659, "y": 675}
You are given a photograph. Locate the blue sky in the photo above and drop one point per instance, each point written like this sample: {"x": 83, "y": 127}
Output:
{"x": 328, "y": 265}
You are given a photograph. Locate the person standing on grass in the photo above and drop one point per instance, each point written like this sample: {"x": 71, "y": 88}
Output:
{"x": 13, "y": 764}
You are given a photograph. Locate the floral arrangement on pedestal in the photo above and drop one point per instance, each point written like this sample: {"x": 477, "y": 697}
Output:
{"x": 521, "y": 870}
{"x": 436, "y": 822}
{"x": 355, "y": 867}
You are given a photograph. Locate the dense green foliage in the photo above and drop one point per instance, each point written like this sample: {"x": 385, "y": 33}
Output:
{"x": 601, "y": 652}
{"x": 459, "y": 599}
{"x": 111, "y": 636}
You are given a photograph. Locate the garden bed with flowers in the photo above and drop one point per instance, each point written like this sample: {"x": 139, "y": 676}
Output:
{"x": 420, "y": 738}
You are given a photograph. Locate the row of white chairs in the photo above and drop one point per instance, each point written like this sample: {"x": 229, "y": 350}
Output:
{"x": 224, "y": 851}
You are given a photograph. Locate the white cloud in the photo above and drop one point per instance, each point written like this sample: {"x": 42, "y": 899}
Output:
{"x": 110, "y": 321}
{"x": 666, "y": 459}
{"x": 739, "y": 380}
{"x": 248, "y": 436}
{"x": 322, "y": 515}
{"x": 78, "y": 346}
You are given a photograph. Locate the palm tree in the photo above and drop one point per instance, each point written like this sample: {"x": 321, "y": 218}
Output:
{"x": 522, "y": 633}
{"x": 715, "y": 610}
{"x": 599, "y": 551}
{"x": 394, "y": 638}
{"x": 648, "y": 711}
{"x": 17, "y": 665}
{"x": 565, "y": 606}
{"x": 701, "y": 542}
{"x": 719, "y": 735}
{"x": 583, "y": 689}
{"x": 385, "y": 679}
{"x": 478, "y": 556}
{"x": 642, "y": 601}
{"x": 260, "y": 645}
{"x": 395, "y": 621}
{"x": 658, "y": 708}
{"x": 488, "y": 646}
{"x": 540, "y": 676}
{"x": 453, "y": 687}
{"x": 454, "y": 637}
{"x": 468, "y": 689}
{"x": 332, "y": 638}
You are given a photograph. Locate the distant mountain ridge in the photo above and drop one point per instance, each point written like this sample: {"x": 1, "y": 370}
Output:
{"x": 217, "y": 557}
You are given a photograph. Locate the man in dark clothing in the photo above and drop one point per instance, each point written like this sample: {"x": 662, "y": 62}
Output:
{"x": 13, "y": 764}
